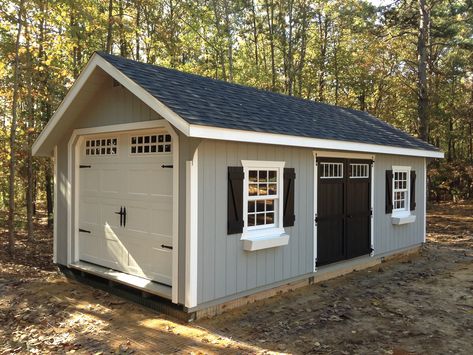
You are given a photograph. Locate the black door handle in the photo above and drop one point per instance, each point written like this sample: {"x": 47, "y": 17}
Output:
{"x": 124, "y": 216}
{"x": 121, "y": 215}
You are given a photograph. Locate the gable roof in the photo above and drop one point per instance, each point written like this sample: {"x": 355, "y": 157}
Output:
{"x": 209, "y": 108}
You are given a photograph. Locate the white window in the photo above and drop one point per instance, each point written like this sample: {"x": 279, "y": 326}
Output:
{"x": 331, "y": 170}
{"x": 150, "y": 144}
{"x": 262, "y": 199}
{"x": 359, "y": 171}
{"x": 102, "y": 146}
{"x": 401, "y": 185}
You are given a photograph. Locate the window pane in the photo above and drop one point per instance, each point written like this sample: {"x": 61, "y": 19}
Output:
{"x": 253, "y": 190}
{"x": 270, "y": 218}
{"x": 263, "y": 176}
{"x": 272, "y": 176}
{"x": 263, "y": 189}
{"x": 253, "y": 175}
{"x": 269, "y": 205}
{"x": 272, "y": 189}
{"x": 260, "y": 219}
{"x": 153, "y": 139}
{"x": 260, "y": 206}
{"x": 251, "y": 206}
{"x": 251, "y": 220}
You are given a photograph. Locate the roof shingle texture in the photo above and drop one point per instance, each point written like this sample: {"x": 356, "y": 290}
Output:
{"x": 209, "y": 102}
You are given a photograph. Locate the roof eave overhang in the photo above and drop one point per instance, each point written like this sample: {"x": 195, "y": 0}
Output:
{"x": 209, "y": 132}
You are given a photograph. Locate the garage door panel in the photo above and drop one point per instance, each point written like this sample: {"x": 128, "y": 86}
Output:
{"x": 89, "y": 180}
{"x": 108, "y": 214}
{"x": 110, "y": 181}
{"x": 139, "y": 183}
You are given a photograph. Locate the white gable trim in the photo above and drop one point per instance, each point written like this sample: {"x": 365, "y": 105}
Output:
{"x": 296, "y": 141}
{"x": 142, "y": 94}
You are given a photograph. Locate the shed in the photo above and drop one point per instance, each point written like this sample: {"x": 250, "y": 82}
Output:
{"x": 205, "y": 192}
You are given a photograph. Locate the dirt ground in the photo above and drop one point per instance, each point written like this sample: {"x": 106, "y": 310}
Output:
{"x": 423, "y": 304}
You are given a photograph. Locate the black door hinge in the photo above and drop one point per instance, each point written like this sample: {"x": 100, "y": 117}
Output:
{"x": 316, "y": 219}
{"x": 166, "y": 246}
{"x": 84, "y": 166}
{"x": 164, "y": 166}
{"x": 84, "y": 231}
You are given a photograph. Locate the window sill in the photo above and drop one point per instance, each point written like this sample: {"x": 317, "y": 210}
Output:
{"x": 254, "y": 243}
{"x": 403, "y": 219}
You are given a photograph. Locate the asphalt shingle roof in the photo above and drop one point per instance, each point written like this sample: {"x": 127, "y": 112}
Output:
{"x": 209, "y": 102}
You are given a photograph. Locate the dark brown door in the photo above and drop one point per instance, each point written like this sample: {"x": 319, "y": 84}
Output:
{"x": 344, "y": 209}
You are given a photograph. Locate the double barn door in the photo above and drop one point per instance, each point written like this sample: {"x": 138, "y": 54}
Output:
{"x": 343, "y": 209}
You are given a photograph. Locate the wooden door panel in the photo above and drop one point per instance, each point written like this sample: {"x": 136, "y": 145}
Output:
{"x": 343, "y": 211}
{"x": 330, "y": 244}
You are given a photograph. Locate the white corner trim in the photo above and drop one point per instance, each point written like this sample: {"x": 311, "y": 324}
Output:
{"x": 192, "y": 174}
{"x": 265, "y": 242}
{"x": 399, "y": 219}
{"x": 315, "y": 213}
{"x": 296, "y": 141}
{"x": 142, "y": 94}
{"x": 175, "y": 209}
{"x": 373, "y": 210}
{"x": 424, "y": 205}
{"x": 55, "y": 184}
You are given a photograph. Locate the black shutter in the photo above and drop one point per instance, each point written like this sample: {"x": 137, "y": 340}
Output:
{"x": 235, "y": 200}
{"x": 389, "y": 191}
{"x": 413, "y": 191}
{"x": 288, "y": 212}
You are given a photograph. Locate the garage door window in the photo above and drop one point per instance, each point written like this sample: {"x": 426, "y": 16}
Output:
{"x": 151, "y": 144}
{"x": 103, "y": 146}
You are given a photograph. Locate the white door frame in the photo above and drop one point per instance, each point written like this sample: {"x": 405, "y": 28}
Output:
{"x": 347, "y": 155}
{"x": 73, "y": 189}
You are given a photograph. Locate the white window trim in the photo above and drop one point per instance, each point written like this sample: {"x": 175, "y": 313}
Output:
{"x": 263, "y": 237}
{"x": 402, "y": 216}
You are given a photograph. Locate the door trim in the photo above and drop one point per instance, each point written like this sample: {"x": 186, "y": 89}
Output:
{"x": 73, "y": 189}
{"x": 329, "y": 154}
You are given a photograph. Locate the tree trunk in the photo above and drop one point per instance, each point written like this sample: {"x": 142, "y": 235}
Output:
{"x": 422, "y": 44}
{"x": 110, "y": 26}
{"x": 137, "y": 30}
{"x": 228, "y": 30}
{"x": 30, "y": 132}
{"x": 121, "y": 29}
{"x": 11, "y": 190}
{"x": 255, "y": 32}
{"x": 270, "y": 19}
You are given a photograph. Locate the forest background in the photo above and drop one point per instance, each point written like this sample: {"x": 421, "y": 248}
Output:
{"x": 408, "y": 62}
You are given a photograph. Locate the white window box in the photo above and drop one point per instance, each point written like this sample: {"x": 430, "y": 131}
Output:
{"x": 403, "y": 218}
{"x": 265, "y": 242}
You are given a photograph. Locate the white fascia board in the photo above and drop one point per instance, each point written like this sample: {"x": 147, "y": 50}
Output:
{"x": 73, "y": 91}
{"x": 295, "y": 141}
{"x": 130, "y": 85}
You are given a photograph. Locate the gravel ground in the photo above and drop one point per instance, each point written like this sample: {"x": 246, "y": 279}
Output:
{"x": 422, "y": 304}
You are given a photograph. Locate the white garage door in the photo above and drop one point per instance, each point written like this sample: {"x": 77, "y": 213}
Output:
{"x": 125, "y": 203}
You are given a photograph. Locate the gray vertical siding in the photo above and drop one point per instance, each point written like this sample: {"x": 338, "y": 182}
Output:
{"x": 389, "y": 237}
{"x": 224, "y": 268}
